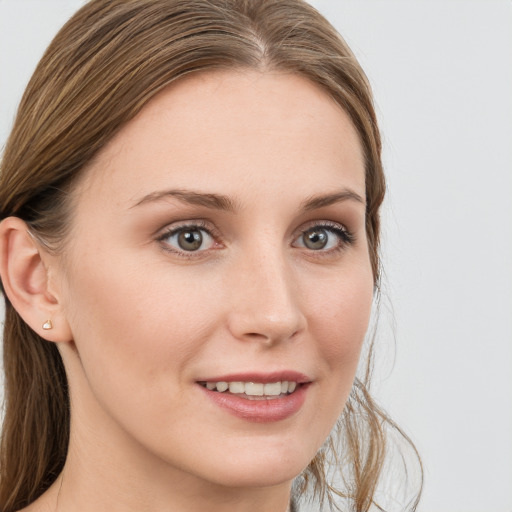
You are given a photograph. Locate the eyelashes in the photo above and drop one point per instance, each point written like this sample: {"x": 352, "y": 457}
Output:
{"x": 190, "y": 239}
{"x": 197, "y": 238}
{"x": 326, "y": 236}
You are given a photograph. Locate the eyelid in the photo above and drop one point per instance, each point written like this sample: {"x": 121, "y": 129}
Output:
{"x": 328, "y": 224}
{"x": 174, "y": 228}
{"x": 347, "y": 236}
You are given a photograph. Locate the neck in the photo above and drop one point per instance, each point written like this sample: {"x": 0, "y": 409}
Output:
{"x": 70, "y": 495}
{"x": 108, "y": 470}
{"x": 112, "y": 486}
{"x": 124, "y": 480}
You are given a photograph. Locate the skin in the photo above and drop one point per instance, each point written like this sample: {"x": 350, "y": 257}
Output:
{"x": 139, "y": 321}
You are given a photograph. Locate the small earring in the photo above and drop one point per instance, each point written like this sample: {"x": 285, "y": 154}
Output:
{"x": 48, "y": 325}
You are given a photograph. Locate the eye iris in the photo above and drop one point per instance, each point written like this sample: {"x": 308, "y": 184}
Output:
{"x": 315, "y": 239}
{"x": 190, "y": 240}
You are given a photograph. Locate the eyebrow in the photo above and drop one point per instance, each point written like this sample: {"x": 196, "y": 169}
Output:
{"x": 225, "y": 203}
{"x": 213, "y": 201}
{"x": 323, "y": 200}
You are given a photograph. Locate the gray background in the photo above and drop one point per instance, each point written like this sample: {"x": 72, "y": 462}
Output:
{"x": 442, "y": 76}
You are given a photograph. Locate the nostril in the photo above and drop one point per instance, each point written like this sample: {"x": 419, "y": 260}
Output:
{"x": 256, "y": 336}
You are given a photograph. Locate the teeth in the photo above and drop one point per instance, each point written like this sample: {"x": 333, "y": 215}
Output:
{"x": 254, "y": 388}
{"x": 236, "y": 387}
{"x": 222, "y": 386}
{"x": 272, "y": 389}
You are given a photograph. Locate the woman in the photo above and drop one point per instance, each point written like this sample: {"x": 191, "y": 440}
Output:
{"x": 189, "y": 253}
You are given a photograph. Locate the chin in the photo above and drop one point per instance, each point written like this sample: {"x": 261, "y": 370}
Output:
{"x": 258, "y": 466}
{"x": 259, "y": 475}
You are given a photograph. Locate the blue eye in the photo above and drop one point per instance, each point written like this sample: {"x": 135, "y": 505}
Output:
{"x": 189, "y": 239}
{"x": 324, "y": 238}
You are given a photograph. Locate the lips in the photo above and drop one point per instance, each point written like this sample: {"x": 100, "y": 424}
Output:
{"x": 260, "y": 398}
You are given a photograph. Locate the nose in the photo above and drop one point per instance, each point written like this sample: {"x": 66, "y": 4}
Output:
{"x": 265, "y": 305}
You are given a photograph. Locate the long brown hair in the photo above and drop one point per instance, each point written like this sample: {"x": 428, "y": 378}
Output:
{"x": 104, "y": 65}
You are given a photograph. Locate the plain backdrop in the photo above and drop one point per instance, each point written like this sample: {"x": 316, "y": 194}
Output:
{"x": 442, "y": 78}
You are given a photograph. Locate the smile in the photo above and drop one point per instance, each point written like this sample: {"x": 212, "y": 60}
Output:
{"x": 253, "y": 390}
{"x": 258, "y": 397}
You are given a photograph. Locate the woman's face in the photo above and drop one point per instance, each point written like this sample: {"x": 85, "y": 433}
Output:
{"x": 218, "y": 238}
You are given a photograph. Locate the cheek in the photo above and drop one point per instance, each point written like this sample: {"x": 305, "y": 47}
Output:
{"x": 339, "y": 315}
{"x": 338, "y": 320}
{"x": 134, "y": 326}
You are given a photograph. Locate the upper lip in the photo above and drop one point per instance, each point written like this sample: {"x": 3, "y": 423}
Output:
{"x": 260, "y": 377}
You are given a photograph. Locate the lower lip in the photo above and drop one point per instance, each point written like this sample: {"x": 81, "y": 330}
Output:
{"x": 260, "y": 411}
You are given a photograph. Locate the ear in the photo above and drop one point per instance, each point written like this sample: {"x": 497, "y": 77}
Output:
{"x": 25, "y": 272}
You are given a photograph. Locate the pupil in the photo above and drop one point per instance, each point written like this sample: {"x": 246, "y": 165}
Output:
{"x": 190, "y": 240}
{"x": 316, "y": 239}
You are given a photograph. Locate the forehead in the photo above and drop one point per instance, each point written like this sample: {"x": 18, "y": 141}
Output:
{"x": 229, "y": 128}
